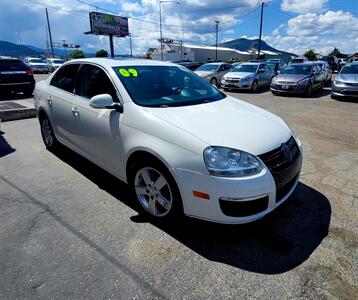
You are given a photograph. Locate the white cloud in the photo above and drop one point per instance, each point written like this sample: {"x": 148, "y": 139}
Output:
{"x": 132, "y": 7}
{"x": 302, "y": 6}
{"x": 331, "y": 22}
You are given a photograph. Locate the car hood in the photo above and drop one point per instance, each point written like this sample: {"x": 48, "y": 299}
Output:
{"x": 238, "y": 75}
{"x": 348, "y": 78}
{"x": 229, "y": 123}
{"x": 203, "y": 73}
{"x": 291, "y": 77}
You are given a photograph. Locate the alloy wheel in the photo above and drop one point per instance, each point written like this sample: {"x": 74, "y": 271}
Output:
{"x": 153, "y": 191}
{"x": 47, "y": 132}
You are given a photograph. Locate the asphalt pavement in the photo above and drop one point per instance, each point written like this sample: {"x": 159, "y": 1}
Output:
{"x": 70, "y": 230}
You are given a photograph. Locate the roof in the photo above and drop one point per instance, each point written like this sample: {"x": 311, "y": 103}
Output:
{"x": 8, "y": 58}
{"x": 306, "y": 63}
{"x": 253, "y": 63}
{"x": 110, "y": 62}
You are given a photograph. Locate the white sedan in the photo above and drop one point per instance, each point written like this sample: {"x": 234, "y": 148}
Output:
{"x": 181, "y": 144}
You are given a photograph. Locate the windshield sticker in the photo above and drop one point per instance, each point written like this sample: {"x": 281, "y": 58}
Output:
{"x": 128, "y": 73}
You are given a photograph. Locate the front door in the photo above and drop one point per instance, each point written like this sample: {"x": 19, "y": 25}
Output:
{"x": 98, "y": 131}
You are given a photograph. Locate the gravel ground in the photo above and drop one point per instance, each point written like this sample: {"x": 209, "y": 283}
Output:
{"x": 71, "y": 230}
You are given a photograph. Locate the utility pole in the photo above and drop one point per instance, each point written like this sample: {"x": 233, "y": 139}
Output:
{"x": 161, "y": 33}
{"x": 130, "y": 43}
{"x": 217, "y": 34}
{"x": 262, "y": 12}
{"x": 47, "y": 50}
{"x": 49, "y": 32}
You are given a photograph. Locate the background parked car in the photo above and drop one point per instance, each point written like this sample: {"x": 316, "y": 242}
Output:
{"x": 298, "y": 78}
{"x": 54, "y": 63}
{"x": 213, "y": 72}
{"x": 326, "y": 69}
{"x": 15, "y": 76}
{"x": 191, "y": 65}
{"x": 248, "y": 76}
{"x": 37, "y": 65}
{"x": 342, "y": 62}
{"x": 298, "y": 60}
{"x": 346, "y": 83}
{"x": 333, "y": 62}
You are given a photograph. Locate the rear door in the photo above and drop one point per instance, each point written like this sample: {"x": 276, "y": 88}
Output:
{"x": 98, "y": 131}
{"x": 59, "y": 97}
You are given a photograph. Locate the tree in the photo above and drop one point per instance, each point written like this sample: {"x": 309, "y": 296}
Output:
{"x": 310, "y": 54}
{"x": 336, "y": 53}
{"x": 77, "y": 54}
{"x": 101, "y": 53}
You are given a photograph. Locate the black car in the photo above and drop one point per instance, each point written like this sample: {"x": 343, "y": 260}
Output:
{"x": 299, "y": 79}
{"x": 15, "y": 76}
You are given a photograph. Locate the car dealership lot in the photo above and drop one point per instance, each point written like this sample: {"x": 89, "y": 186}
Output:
{"x": 69, "y": 229}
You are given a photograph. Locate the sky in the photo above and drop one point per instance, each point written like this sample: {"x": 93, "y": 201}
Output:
{"x": 288, "y": 25}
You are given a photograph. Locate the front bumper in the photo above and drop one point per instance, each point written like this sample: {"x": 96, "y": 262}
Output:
{"x": 345, "y": 90}
{"x": 288, "y": 88}
{"x": 234, "y": 200}
{"x": 237, "y": 84}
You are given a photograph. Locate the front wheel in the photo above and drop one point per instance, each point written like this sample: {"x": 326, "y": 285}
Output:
{"x": 48, "y": 136}
{"x": 155, "y": 189}
{"x": 309, "y": 91}
{"x": 254, "y": 86}
{"x": 213, "y": 81}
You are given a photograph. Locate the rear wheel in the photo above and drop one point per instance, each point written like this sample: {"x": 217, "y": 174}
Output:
{"x": 155, "y": 189}
{"x": 48, "y": 136}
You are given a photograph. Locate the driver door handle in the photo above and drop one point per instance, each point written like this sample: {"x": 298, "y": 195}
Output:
{"x": 75, "y": 110}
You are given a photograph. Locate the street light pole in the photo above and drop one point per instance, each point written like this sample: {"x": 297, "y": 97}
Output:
{"x": 262, "y": 11}
{"x": 217, "y": 34}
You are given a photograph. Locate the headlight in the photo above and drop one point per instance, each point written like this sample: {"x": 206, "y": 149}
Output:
{"x": 229, "y": 162}
{"x": 337, "y": 82}
{"x": 274, "y": 80}
{"x": 248, "y": 78}
{"x": 303, "y": 81}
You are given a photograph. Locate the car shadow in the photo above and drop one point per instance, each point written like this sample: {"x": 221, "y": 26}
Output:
{"x": 278, "y": 243}
{"x": 5, "y": 147}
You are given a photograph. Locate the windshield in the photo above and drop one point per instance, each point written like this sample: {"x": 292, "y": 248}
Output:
{"x": 245, "y": 68}
{"x": 304, "y": 70}
{"x": 162, "y": 86}
{"x": 57, "y": 61}
{"x": 207, "y": 67}
{"x": 350, "y": 69}
{"x": 36, "y": 61}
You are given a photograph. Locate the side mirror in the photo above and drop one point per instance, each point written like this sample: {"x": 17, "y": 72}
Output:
{"x": 105, "y": 101}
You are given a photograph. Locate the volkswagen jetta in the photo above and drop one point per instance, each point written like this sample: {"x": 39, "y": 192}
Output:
{"x": 182, "y": 145}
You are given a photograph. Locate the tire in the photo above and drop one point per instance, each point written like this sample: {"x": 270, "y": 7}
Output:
{"x": 323, "y": 84}
{"x": 309, "y": 91}
{"x": 155, "y": 190}
{"x": 47, "y": 133}
{"x": 274, "y": 93}
{"x": 213, "y": 81}
{"x": 254, "y": 86}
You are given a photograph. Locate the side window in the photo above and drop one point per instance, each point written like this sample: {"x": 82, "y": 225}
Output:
{"x": 94, "y": 81}
{"x": 261, "y": 67}
{"x": 64, "y": 79}
{"x": 228, "y": 67}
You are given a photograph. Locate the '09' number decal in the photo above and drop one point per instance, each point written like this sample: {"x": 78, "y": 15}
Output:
{"x": 128, "y": 72}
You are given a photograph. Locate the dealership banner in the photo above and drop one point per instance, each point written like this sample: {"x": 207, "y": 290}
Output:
{"x": 108, "y": 24}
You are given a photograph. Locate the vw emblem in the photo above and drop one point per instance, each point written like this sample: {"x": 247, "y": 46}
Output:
{"x": 286, "y": 152}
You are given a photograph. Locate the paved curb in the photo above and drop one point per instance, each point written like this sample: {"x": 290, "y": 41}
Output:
{"x": 17, "y": 114}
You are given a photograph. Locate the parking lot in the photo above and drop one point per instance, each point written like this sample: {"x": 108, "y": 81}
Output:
{"x": 71, "y": 230}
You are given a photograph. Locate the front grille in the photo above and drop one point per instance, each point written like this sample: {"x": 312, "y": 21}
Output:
{"x": 286, "y": 82}
{"x": 352, "y": 93}
{"x": 243, "y": 208}
{"x": 284, "y": 164}
{"x": 232, "y": 80}
{"x": 352, "y": 83}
